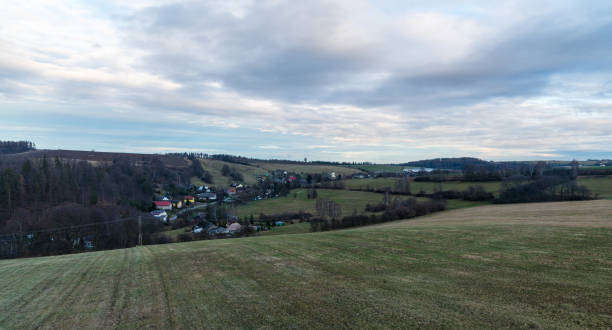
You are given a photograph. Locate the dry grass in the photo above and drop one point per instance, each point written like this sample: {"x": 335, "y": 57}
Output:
{"x": 596, "y": 213}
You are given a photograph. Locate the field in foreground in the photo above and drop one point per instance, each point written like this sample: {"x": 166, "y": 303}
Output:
{"x": 525, "y": 266}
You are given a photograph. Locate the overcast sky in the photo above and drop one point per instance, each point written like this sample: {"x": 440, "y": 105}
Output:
{"x": 354, "y": 80}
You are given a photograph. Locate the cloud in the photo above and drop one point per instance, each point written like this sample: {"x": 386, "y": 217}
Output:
{"x": 499, "y": 81}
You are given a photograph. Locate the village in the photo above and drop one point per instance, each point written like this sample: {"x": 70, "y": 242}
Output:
{"x": 209, "y": 211}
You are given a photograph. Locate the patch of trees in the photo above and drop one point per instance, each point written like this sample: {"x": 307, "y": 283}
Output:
{"x": 312, "y": 193}
{"x": 396, "y": 210}
{"x": 232, "y": 159}
{"x": 42, "y": 183}
{"x": 543, "y": 189}
{"x": 447, "y": 163}
{"x": 70, "y": 227}
{"x": 301, "y": 216}
{"x": 328, "y": 208}
{"x": 438, "y": 176}
{"x": 198, "y": 171}
{"x": 472, "y": 193}
{"x": 231, "y": 172}
{"x": 15, "y": 147}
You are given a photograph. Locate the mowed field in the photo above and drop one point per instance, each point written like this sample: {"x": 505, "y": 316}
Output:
{"x": 504, "y": 266}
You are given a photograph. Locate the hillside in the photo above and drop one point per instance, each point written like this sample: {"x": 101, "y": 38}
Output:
{"x": 95, "y": 157}
{"x": 522, "y": 266}
{"x": 307, "y": 168}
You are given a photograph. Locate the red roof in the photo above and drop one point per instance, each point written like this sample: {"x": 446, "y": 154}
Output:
{"x": 162, "y": 203}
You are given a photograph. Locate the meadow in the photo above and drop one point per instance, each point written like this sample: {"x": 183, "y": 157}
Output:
{"x": 416, "y": 186}
{"x": 298, "y": 200}
{"x": 504, "y": 266}
{"x": 598, "y": 184}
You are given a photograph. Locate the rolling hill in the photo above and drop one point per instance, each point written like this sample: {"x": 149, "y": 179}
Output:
{"x": 520, "y": 266}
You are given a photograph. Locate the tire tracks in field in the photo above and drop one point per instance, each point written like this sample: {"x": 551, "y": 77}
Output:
{"x": 165, "y": 287}
{"x": 115, "y": 318}
{"x": 49, "y": 282}
{"x": 67, "y": 296}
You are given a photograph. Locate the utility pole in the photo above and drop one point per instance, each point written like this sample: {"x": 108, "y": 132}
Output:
{"x": 140, "y": 230}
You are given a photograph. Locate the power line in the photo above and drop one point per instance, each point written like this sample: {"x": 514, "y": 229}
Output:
{"x": 69, "y": 227}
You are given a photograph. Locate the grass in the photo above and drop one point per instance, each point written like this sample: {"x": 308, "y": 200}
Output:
{"x": 504, "y": 266}
{"x": 598, "y": 184}
{"x": 298, "y": 200}
{"x": 416, "y": 186}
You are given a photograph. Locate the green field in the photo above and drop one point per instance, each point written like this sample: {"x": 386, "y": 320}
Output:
{"x": 598, "y": 184}
{"x": 505, "y": 266}
{"x": 214, "y": 166}
{"x": 416, "y": 186}
{"x": 298, "y": 200}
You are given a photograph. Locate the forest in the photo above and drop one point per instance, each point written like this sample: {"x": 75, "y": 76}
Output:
{"x": 99, "y": 202}
{"x": 14, "y": 147}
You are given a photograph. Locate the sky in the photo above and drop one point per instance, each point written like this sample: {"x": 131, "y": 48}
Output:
{"x": 346, "y": 80}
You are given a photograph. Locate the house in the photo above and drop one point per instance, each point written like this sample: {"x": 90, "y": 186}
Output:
{"x": 234, "y": 227}
{"x": 207, "y": 196}
{"x": 160, "y": 214}
{"x": 231, "y": 191}
{"x": 189, "y": 199}
{"x": 177, "y": 204}
{"x": 163, "y": 205}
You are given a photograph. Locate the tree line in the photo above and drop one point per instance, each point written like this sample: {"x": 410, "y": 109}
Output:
{"x": 15, "y": 147}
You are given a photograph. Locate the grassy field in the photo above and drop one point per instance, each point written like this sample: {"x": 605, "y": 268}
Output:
{"x": 298, "y": 200}
{"x": 598, "y": 184}
{"x": 307, "y": 168}
{"x": 510, "y": 266}
{"x": 416, "y": 186}
{"x": 214, "y": 166}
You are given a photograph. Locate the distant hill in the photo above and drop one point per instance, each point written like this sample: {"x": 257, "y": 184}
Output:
{"x": 98, "y": 157}
{"x": 448, "y": 163}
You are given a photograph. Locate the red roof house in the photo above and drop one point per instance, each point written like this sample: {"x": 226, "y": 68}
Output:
{"x": 163, "y": 205}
